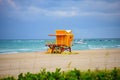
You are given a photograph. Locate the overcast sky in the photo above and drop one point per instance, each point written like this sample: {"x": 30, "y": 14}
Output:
{"x": 35, "y": 19}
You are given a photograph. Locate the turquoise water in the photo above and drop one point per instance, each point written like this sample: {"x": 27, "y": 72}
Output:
{"x": 16, "y": 46}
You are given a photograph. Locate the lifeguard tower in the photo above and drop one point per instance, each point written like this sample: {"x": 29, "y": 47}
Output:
{"x": 63, "y": 41}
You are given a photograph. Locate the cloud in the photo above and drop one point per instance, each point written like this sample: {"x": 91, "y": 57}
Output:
{"x": 12, "y": 3}
{"x": 62, "y": 13}
{"x": 47, "y": 12}
{"x": 68, "y": 12}
{"x": 104, "y": 5}
{"x": 75, "y": 8}
{"x": 36, "y": 11}
{"x": 0, "y": 1}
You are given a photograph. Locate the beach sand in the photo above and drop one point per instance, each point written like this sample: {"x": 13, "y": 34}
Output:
{"x": 14, "y": 64}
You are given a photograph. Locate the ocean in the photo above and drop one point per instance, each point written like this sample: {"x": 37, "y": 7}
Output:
{"x": 17, "y": 46}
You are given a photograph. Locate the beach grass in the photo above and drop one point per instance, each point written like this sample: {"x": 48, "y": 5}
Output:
{"x": 75, "y": 74}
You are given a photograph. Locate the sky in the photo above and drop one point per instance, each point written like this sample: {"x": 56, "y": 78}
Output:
{"x": 35, "y": 19}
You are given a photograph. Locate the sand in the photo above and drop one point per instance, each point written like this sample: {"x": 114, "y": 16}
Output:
{"x": 13, "y": 64}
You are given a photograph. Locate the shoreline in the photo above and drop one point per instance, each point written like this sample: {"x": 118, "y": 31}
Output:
{"x": 14, "y": 64}
{"x": 46, "y": 50}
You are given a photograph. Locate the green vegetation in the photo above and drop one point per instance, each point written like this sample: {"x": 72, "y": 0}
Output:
{"x": 75, "y": 74}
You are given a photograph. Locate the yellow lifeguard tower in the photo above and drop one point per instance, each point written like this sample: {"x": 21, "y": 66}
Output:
{"x": 63, "y": 42}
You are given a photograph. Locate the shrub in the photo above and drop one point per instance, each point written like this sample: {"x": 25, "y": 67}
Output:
{"x": 8, "y": 78}
{"x": 75, "y": 74}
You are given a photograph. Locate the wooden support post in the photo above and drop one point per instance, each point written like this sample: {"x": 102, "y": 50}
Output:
{"x": 69, "y": 49}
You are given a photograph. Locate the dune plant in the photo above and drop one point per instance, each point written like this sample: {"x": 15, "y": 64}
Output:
{"x": 8, "y": 78}
{"x": 74, "y": 74}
